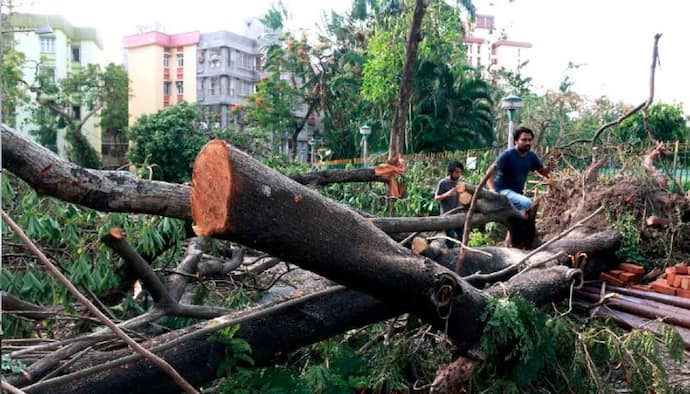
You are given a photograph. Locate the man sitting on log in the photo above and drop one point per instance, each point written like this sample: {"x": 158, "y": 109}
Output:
{"x": 447, "y": 194}
{"x": 512, "y": 168}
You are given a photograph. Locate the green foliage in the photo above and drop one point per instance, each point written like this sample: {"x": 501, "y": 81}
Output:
{"x": 335, "y": 366}
{"x": 70, "y": 237}
{"x": 666, "y": 123}
{"x": 76, "y": 99}
{"x": 382, "y": 71}
{"x": 515, "y": 341}
{"x": 525, "y": 351}
{"x": 454, "y": 110}
{"x": 169, "y": 141}
{"x": 14, "y": 92}
{"x": 625, "y": 223}
{"x": 115, "y": 113}
{"x": 11, "y": 365}
{"x": 237, "y": 351}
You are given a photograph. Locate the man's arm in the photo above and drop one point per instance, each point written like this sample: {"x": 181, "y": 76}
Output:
{"x": 443, "y": 195}
{"x": 545, "y": 171}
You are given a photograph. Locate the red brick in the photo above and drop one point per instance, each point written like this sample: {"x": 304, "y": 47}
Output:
{"x": 615, "y": 273}
{"x": 685, "y": 283}
{"x": 676, "y": 281}
{"x": 671, "y": 275}
{"x": 610, "y": 279}
{"x": 629, "y": 277}
{"x": 683, "y": 293}
{"x": 638, "y": 269}
{"x": 660, "y": 287}
{"x": 682, "y": 269}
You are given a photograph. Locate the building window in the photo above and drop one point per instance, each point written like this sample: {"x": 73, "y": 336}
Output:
{"x": 246, "y": 61}
{"x": 180, "y": 60}
{"x": 166, "y": 60}
{"x": 214, "y": 59}
{"x": 166, "y": 88}
{"x": 200, "y": 87}
{"x": 485, "y": 22}
{"x": 180, "y": 87}
{"x": 49, "y": 72}
{"x": 76, "y": 54}
{"x": 213, "y": 86}
{"x": 246, "y": 88}
{"x": 48, "y": 44}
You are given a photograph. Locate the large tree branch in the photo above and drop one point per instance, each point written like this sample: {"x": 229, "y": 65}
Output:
{"x": 108, "y": 191}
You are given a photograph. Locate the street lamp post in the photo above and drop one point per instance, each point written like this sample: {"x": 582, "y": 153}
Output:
{"x": 312, "y": 143}
{"x": 512, "y": 102}
{"x": 364, "y": 131}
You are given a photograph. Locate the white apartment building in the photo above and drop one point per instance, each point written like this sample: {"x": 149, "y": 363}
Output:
{"x": 64, "y": 49}
{"x": 489, "y": 50}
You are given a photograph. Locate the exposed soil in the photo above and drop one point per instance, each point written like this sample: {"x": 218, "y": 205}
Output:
{"x": 565, "y": 204}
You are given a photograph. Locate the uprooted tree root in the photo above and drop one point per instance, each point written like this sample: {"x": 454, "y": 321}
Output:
{"x": 637, "y": 197}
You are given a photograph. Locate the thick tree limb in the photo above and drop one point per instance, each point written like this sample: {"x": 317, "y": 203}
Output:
{"x": 326, "y": 177}
{"x": 221, "y": 267}
{"x": 178, "y": 283}
{"x": 237, "y": 198}
{"x": 16, "y": 306}
{"x": 116, "y": 241}
{"x": 108, "y": 191}
{"x": 258, "y": 207}
{"x": 276, "y": 330}
{"x": 164, "y": 301}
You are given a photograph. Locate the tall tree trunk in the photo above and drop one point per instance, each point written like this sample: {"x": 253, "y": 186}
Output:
{"x": 399, "y": 117}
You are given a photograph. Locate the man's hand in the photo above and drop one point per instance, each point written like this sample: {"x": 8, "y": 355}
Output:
{"x": 551, "y": 165}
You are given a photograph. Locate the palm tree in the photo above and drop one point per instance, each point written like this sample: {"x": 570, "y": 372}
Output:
{"x": 450, "y": 111}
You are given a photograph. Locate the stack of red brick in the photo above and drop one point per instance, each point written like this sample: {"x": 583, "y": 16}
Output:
{"x": 675, "y": 281}
{"x": 626, "y": 274}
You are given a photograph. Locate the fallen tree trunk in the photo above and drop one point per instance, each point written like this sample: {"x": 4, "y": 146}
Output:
{"x": 272, "y": 332}
{"x": 108, "y": 191}
{"x": 237, "y": 198}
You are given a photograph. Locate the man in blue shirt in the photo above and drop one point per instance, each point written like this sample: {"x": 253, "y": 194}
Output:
{"x": 449, "y": 198}
{"x": 512, "y": 168}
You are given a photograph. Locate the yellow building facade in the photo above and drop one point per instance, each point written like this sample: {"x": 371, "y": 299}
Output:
{"x": 161, "y": 69}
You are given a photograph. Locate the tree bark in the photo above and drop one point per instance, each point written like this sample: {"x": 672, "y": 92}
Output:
{"x": 237, "y": 198}
{"x": 16, "y": 306}
{"x": 108, "y": 191}
{"x": 278, "y": 330}
{"x": 400, "y": 115}
{"x": 322, "y": 178}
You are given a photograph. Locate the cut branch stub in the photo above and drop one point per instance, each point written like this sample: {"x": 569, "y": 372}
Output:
{"x": 237, "y": 198}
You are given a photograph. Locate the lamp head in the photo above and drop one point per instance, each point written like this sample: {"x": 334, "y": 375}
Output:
{"x": 511, "y": 102}
{"x": 365, "y": 130}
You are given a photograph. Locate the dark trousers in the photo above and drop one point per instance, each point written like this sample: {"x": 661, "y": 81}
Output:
{"x": 453, "y": 233}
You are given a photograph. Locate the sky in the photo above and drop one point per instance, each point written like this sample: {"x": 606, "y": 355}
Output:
{"x": 611, "y": 39}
